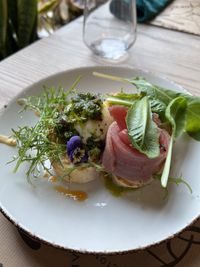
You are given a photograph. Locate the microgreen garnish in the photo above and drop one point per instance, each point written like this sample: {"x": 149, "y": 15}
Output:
{"x": 177, "y": 181}
{"x": 40, "y": 143}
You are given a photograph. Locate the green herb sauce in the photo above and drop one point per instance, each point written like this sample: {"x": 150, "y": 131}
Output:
{"x": 83, "y": 107}
{"x": 115, "y": 189}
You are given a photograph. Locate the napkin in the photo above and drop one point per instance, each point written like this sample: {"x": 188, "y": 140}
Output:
{"x": 146, "y": 9}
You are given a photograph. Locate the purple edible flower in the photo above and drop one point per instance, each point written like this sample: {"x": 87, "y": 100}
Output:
{"x": 73, "y": 143}
{"x": 76, "y": 151}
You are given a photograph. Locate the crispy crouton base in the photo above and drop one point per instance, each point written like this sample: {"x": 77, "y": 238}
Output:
{"x": 130, "y": 184}
{"x": 80, "y": 175}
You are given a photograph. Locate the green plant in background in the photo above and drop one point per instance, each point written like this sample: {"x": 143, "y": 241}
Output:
{"x": 24, "y": 21}
{"x": 18, "y": 25}
{"x": 52, "y": 14}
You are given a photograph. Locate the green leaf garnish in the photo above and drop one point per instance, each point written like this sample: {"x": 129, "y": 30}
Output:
{"x": 192, "y": 125}
{"x": 157, "y": 106}
{"x": 123, "y": 99}
{"x": 166, "y": 170}
{"x": 154, "y": 91}
{"x": 193, "y": 118}
{"x": 175, "y": 113}
{"x": 177, "y": 181}
{"x": 142, "y": 130}
{"x": 38, "y": 144}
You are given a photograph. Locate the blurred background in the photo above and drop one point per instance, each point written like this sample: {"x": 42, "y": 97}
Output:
{"x": 22, "y": 22}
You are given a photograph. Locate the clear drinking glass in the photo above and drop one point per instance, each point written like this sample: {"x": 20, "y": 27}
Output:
{"x": 109, "y": 27}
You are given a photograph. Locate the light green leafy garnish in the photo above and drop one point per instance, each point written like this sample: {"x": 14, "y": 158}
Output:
{"x": 142, "y": 130}
{"x": 39, "y": 143}
{"x": 154, "y": 91}
{"x": 179, "y": 181}
{"x": 51, "y": 99}
{"x": 192, "y": 125}
{"x": 158, "y": 107}
{"x": 172, "y": 180}
{"x": 35, "y": 147}
{"x": 193, "y": 118}
{"x": 165, "y": 96}
{"x": 175, "y": 113}
{"x": 123, "y": 99}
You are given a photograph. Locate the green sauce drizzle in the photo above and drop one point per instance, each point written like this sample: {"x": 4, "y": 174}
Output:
{"x": 115, "y": 189}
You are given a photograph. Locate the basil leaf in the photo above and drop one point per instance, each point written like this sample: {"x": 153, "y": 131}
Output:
{"x": 142, "y": 130}
{"x": 176, "y": 115}
{"x": 154, "y": 91}
{"x": 127, "y": 96}
{"x": 123, "y": 99}
{"x": 193, "y": 118}
{"x": 192, "y": 126}
{"x": 113, "y": 100}
{"x": 158, "y": 107}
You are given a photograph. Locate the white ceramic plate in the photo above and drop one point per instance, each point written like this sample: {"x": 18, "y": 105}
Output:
{"x": 103, "y": 223}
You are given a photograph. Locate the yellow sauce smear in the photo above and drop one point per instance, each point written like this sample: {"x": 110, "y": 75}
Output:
{"x": 46, "y": 174}
{"x": 53, "y": 179}
{"x": 7, "y": 140}
{"x": 37, "y": 113}
{"x": 76, "y": 195}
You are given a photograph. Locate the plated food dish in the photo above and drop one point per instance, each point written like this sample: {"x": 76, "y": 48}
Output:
{"x": 103, "y": 127}
{"x": 128, "y": 137}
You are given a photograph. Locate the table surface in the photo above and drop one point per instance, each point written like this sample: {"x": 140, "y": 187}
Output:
{"x": 171, "y": 54}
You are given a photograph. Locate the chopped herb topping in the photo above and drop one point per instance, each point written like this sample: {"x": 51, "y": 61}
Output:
{"x": 94, "y": 147}
{"x": 64, "y": 130}
{"x": 84, "y": 107}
